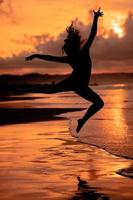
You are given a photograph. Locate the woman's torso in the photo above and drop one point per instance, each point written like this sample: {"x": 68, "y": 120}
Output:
{"x": 81, "y": 65}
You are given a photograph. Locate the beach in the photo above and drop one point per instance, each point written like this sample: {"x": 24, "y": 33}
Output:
{"x": 40, "y": 158}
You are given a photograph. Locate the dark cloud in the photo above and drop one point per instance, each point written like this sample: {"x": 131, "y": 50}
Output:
{"x": 115, "y": 52}
{"x": 114, "y": 47}
{"x": 109, "y": 54}
{"x": 54, "y": 45}
{"x": 18, "y": 65}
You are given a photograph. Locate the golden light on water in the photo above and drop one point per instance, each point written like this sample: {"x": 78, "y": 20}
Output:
{"x": 118, "y": 115}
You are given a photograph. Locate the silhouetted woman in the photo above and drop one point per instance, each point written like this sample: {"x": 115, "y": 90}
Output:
{"x": 79, "y": 59}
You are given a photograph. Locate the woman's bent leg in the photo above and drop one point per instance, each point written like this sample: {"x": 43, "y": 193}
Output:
{"x": 90, "y": 95}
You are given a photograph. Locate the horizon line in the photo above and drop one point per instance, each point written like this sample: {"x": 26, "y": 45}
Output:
{"x": 54, "y": 74}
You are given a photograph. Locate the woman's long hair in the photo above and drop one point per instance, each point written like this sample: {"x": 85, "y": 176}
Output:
{"x": 73, "y": 41}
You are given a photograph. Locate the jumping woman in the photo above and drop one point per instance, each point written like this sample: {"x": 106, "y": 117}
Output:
{"x": 78, "y": 57}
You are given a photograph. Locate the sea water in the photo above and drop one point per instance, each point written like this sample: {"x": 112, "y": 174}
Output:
{"x": 111, "y": 128}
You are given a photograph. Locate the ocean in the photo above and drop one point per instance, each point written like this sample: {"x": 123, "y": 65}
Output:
{"x": 40, "y": 158}
{"x": 110, "y": 129}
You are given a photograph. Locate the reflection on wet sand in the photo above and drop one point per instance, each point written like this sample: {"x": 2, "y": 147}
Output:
{"x": 86, "y": 192}
{"x": 111, "y": 128}
{"x": 39, "y": 159}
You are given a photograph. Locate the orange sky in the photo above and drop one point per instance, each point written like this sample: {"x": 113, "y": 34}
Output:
{"x": 23, "y": 21}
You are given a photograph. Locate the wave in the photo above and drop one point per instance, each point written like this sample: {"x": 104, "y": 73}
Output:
{"x": 127, "y": 172}
{"x": 118, "y": 149}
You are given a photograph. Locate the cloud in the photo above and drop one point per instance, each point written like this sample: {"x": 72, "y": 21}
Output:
{"x": 48, "y": 44}
{"x": 112, "y": 54}
{"x": 6, "y": 10}
{"x": 116, "y": 51}
{"x": 18, "y": 65}
{"x": 113, "y": 48}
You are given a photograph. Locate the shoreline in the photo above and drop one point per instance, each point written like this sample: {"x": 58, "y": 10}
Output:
{"x": 48, "y": 162}
{"x": 125, "y": 172}
{"x": 41, "y": 160}
{"x": 106, "y": 150}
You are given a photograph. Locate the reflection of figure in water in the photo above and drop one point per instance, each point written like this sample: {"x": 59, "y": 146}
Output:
{"x": 79, "y": 59}
{"x": 85, "y": 192}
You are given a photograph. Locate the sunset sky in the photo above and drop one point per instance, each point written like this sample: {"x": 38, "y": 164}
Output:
{"x": 32, "y": 26}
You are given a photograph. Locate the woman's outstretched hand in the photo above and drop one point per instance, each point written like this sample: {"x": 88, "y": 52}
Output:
{"x": 98, "y": 13}
{"x": 30, "y": 57}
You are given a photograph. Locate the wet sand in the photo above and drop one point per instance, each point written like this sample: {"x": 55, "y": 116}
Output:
{"x": 41, "y": 160}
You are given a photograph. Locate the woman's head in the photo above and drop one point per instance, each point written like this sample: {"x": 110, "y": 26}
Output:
{"x": 72, "y": 42}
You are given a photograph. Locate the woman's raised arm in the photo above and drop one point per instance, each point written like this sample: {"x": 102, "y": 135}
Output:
{"x": 93, "y": 32}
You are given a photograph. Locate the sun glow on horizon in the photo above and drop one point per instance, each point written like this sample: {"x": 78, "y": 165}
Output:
{"x": 117, "y": 29}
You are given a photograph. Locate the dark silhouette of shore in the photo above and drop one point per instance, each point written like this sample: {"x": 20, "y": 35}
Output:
{"x": 26, "y": 115}
{"x": 10, "y": 83}
{"x": 36, "y": 78}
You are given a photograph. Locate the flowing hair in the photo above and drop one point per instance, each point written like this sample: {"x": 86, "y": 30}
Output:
{"x": 73, "y": 40}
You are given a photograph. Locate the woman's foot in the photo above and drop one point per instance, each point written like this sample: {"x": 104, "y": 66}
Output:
{"x": 80, "y": 124}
